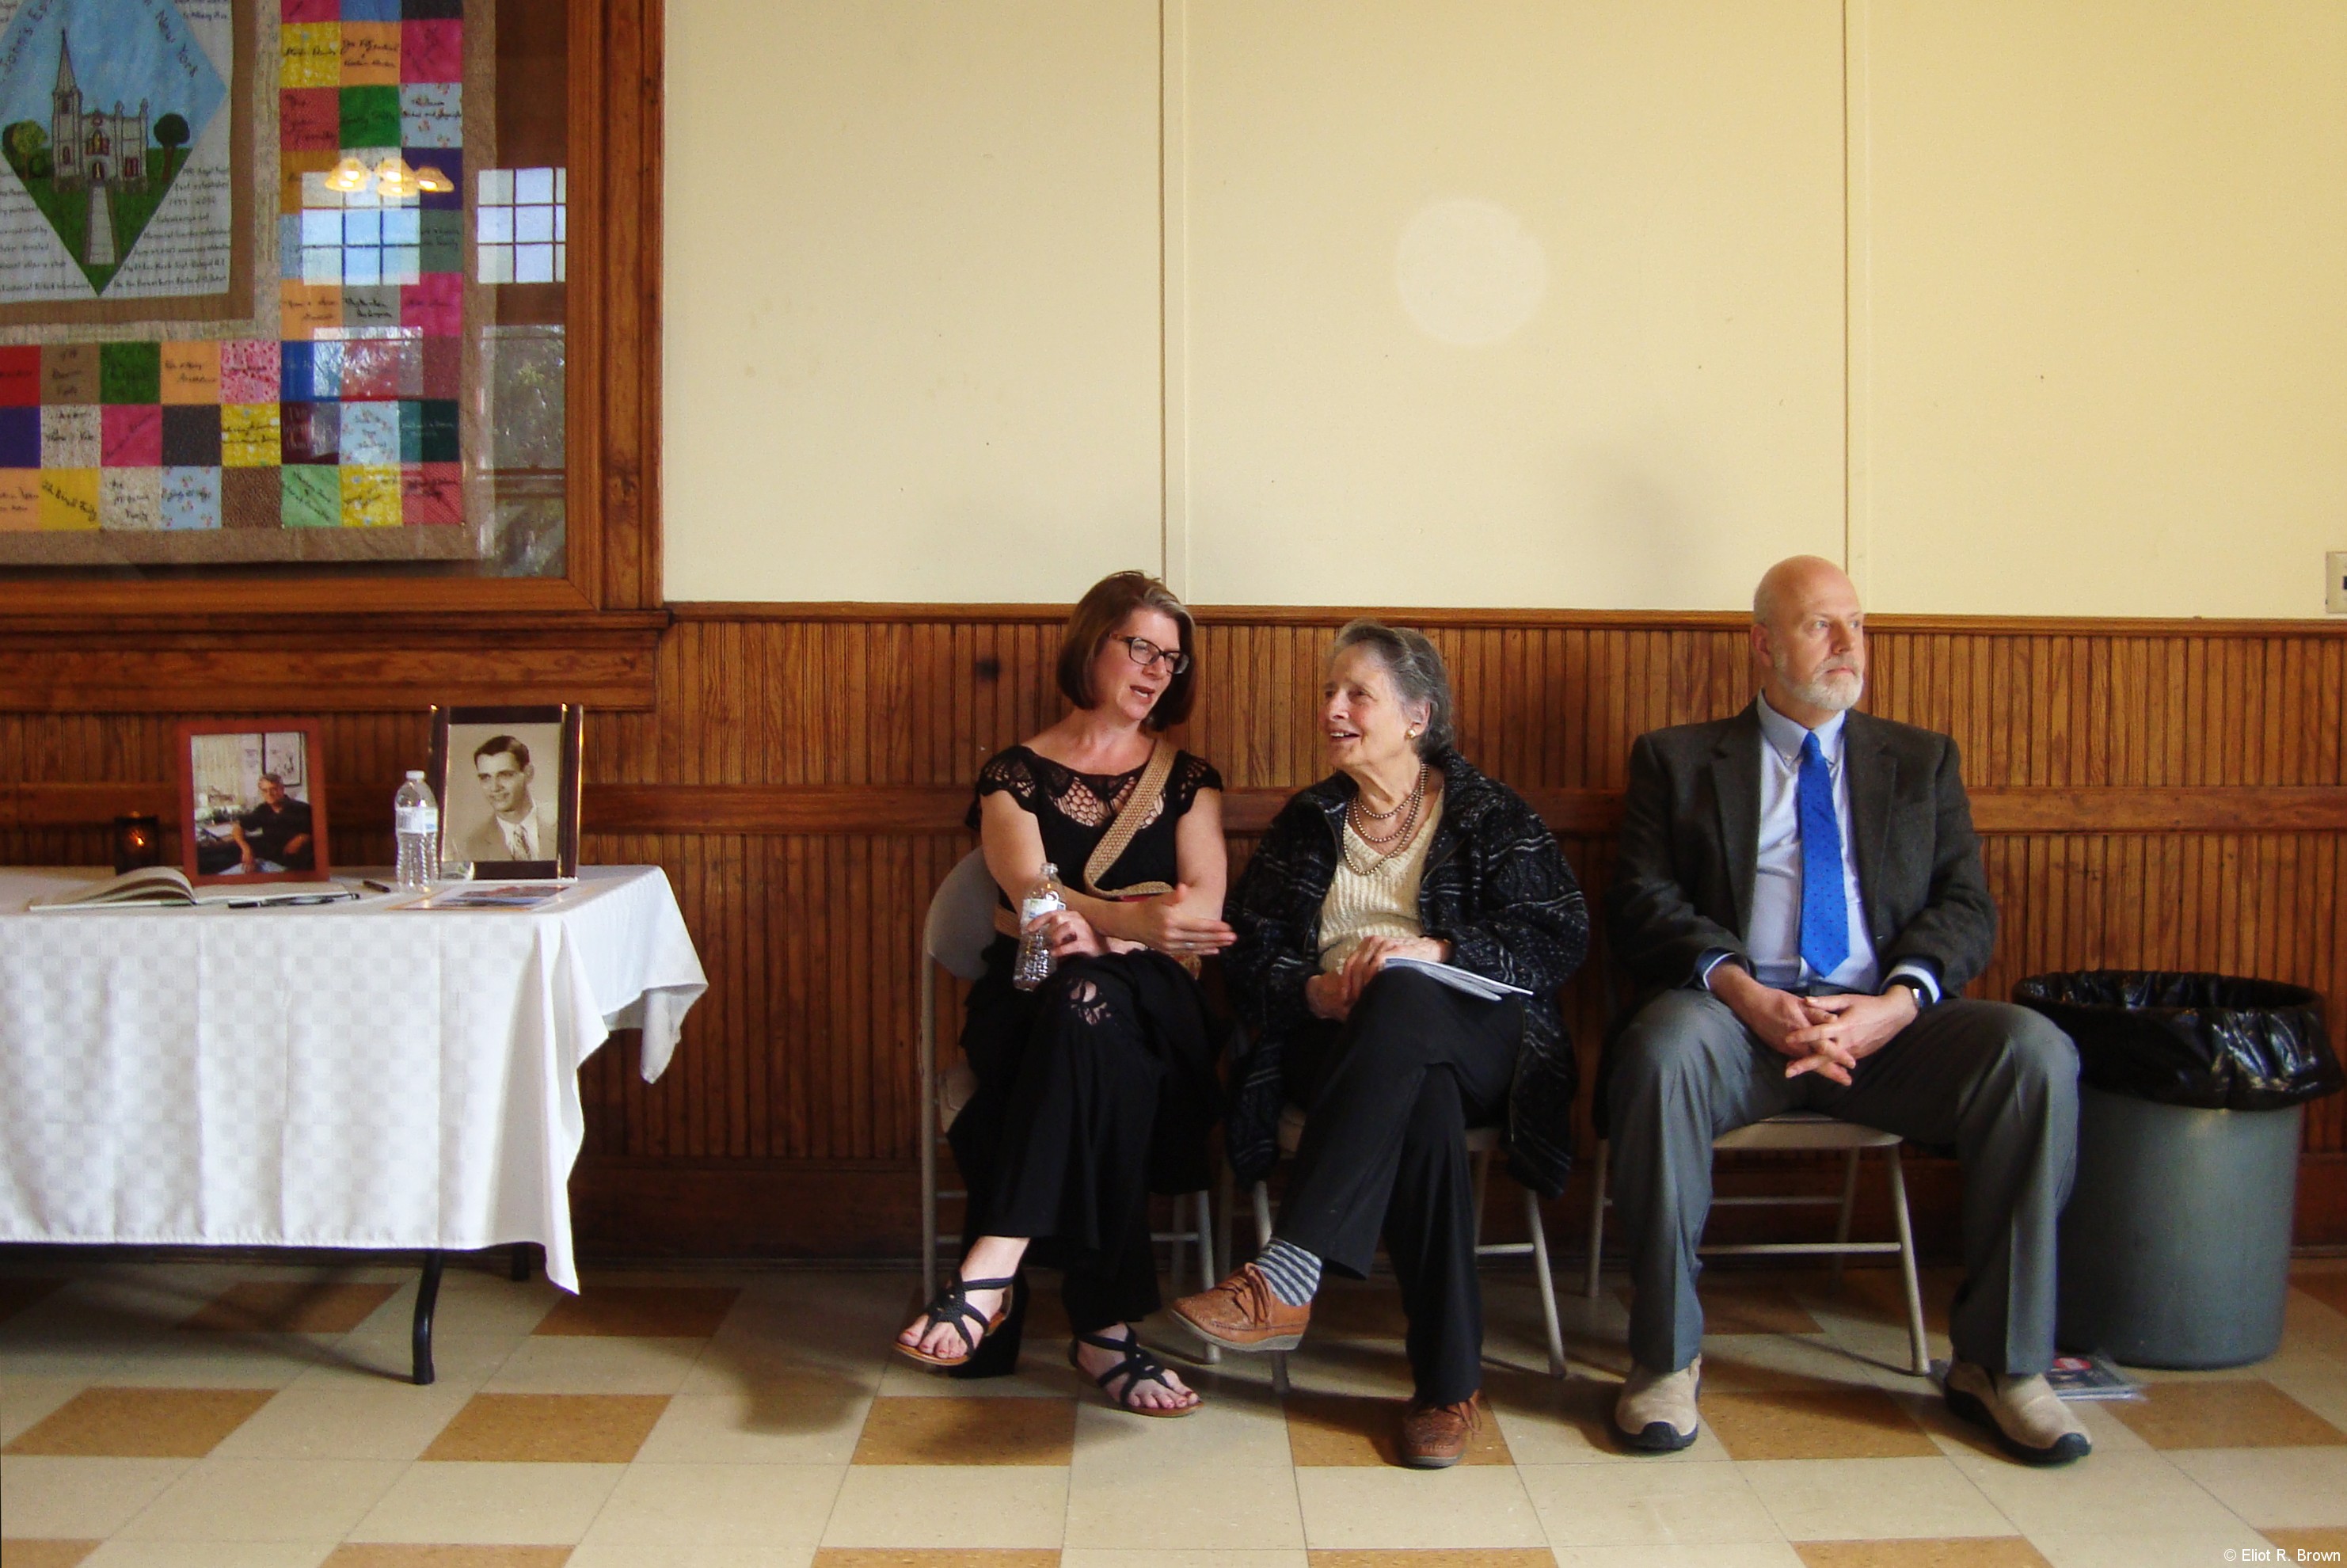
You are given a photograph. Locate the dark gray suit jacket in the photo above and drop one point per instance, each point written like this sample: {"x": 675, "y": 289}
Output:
{"x": 1690, "y": 838}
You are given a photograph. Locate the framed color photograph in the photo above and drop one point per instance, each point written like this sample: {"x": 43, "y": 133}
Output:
{"x": 252, "y": 802}
{"x": 507, "y": 779}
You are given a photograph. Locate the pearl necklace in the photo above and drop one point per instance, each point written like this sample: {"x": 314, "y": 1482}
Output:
{"x": 1393, "y": 843}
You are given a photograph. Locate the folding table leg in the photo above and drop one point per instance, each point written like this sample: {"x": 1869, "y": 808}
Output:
{"x": 427, "y": 1297}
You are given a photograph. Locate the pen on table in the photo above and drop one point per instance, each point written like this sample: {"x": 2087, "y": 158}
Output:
{"x": 370, "y": 882}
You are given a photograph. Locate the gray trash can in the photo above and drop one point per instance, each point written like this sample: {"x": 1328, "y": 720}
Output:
{"x": 2174, "y": 1247}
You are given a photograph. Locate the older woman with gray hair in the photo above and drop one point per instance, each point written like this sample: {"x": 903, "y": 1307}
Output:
{"x": 1406, "y": 857}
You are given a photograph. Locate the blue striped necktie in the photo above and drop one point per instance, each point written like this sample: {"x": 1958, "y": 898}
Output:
{"x": 1824, "y": 911}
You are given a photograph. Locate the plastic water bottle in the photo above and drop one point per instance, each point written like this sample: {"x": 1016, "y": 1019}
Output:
{"x": 1036, "y": 960}
{"x": 415, "y": 818}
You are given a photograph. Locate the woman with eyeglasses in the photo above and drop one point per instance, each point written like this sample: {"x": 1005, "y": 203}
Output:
{"x": 1098, "y": 1087}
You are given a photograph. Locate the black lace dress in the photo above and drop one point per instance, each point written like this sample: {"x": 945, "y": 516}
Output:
{"x": 1099, "y": 1087}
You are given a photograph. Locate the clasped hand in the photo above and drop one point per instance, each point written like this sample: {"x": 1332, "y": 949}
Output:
{"x": 1331, "y": 996}
{"x": 1828, "y": 1034}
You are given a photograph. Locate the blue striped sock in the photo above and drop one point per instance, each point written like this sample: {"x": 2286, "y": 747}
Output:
{"x": 1293, "y": 1273}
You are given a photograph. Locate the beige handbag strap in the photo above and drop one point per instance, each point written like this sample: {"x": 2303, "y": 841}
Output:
{"x": 1136, "y": 811}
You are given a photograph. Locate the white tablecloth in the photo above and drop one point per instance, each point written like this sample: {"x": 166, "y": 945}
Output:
{"x": 343, "y": 1075}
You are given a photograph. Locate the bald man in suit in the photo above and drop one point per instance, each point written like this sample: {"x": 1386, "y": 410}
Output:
{"x": 1799, "y": 899}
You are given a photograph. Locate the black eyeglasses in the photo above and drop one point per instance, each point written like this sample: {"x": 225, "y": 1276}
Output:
{"x": 1145, "y": 653}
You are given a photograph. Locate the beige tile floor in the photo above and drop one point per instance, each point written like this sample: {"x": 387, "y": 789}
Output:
{"x": 191, "y": 1412}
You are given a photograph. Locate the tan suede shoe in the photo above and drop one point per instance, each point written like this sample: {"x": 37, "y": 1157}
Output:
{"x": 1656, "y": 1413}
{"x": 2027, "y": 1418}
{"x": 1242, "y": 1314}
{"x": 1433, "y": 1437}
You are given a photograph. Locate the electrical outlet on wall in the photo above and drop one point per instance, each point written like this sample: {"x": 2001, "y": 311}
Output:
{"x": 2334, "y": 592}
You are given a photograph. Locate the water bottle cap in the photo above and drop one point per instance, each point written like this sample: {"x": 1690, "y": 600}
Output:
{"x": 416, "y": 773}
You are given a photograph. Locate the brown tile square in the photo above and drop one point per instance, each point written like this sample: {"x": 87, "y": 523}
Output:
{"x": 15, "y": 1294}
{"x": 1729, "y": 1371}
{"x": 140, "y": 1423}
{"x": 1361, "y": 1430}
{"x": 1437, "y": 1557}
{"x": 1749, "y": 1304}
{"x": 2326, "y": 1544}
{"x": 44, "y": 1553}
{"x": 290, "y": 1306}
{"x": 1840, "y": 1423}
{"x": 2225, "y": 1413}
{"x": 353, "y": 1555}
{"x": 2329, "y": 1288}
{"x": 1369, "y": 1311}
{"x": 958, "y": 1428}
{"x": 936, "y": 1557}
{"x": 551, "y": 1429}
{"x": 1878, "y": 1295}
{"x": 642, "y": 1311}
{"x": 1974, "y": 1552}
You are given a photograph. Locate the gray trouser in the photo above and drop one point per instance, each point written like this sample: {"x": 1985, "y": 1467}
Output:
{"x": 1998, "y": 1083}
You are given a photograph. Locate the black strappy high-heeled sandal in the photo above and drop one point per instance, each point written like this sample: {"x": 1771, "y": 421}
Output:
{"x": 1137, "y": 1366}
{"x": 996, "y": 1355}
{"x": 952, "y": 1306}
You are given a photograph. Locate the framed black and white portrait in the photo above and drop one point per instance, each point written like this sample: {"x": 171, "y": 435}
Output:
{"x": 507, "y": 779}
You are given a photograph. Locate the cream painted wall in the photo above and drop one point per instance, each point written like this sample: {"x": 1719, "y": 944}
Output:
{"x": 911, "y": 298}
{"x": 2101, "y": 350}
{"x": 1668, "y": 418}
{"x": 1508, "y": 301}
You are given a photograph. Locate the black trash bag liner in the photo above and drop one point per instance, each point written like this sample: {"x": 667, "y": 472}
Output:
{"x": 2216, "y": 1042}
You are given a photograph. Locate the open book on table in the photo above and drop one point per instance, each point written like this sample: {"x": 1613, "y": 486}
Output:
{"x": 167, "y": 886}
{"x": 1459, "y": 980}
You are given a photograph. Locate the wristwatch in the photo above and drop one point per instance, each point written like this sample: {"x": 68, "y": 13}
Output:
{"x": 1914, "y": 984}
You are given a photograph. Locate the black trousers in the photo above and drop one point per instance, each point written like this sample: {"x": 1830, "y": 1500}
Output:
{"x": 1387, "y": 1099}
{"x": 1081, "y": 1098}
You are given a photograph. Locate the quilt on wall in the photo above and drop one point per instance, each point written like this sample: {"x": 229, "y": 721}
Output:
{"x": 287, "y": 379}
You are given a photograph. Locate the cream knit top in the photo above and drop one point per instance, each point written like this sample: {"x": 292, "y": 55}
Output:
{"x": 1383, "y": 903}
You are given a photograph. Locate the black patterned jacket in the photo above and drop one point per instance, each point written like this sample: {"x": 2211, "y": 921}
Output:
{"x": 1496, "y": 886}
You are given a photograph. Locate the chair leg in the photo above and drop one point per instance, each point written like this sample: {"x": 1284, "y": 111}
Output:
{"x": 1596, "y": 1220}
{"x": 1206, "y": 1276}
{"x": 1547, "y": 1283}
{"x": 929, "y": 1129}
{"x": 1482, "y": 1191}
{"x": 1176, "y": 1239}
{"x": 1842, "y": 1221}
{"x": 1920, "y": 1346}
{"x": 1262, "y": 1239}
{"x": 1229, "y": 1210}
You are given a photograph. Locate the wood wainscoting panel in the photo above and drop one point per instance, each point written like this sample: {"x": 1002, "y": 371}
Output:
{"x": 2151, "y": 795}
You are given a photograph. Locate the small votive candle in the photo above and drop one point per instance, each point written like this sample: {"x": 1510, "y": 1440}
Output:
{"x": 138, "y": 842}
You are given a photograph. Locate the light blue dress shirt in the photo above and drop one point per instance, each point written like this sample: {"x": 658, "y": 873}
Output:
{"x": 1773, "y": 942}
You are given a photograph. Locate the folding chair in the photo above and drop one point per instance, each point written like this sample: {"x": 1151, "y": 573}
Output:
{"x": 1803, "y": 1131}
{"x": 954, "y": 937}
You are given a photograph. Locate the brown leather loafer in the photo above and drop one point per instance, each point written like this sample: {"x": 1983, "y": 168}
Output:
{"x": 1433, "y": 1437}
{"x": 1242, "y": 1314}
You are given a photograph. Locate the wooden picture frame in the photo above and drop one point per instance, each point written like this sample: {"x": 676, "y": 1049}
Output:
{"x": 233, "y": 771}
{"x": 480, "y": 783}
